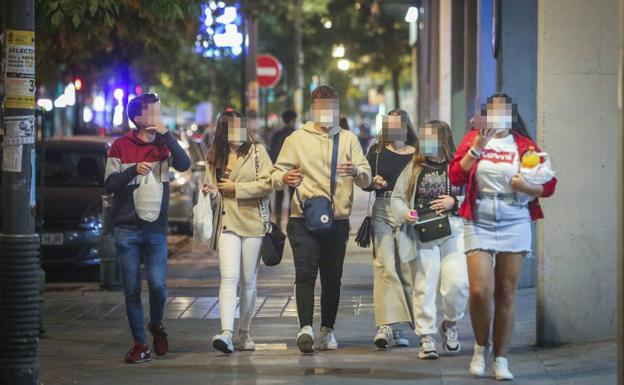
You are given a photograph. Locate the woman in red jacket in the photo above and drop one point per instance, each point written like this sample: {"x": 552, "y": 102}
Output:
{"x": 498, "y": 210}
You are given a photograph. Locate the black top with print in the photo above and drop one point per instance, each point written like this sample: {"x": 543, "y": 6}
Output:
{"x": 432, "y": 182}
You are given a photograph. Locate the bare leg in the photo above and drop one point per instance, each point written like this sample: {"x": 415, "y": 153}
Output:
{"x": 481, "y": 280}
{"x": 508, "y": 266}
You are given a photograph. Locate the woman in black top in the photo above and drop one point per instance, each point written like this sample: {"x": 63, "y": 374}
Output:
{"x": 433, "y": 249}
{"x": 387, "y": 159}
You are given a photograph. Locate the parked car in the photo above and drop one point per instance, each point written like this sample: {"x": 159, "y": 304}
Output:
{"x": 70, "y": 200}
{"x": 184, "y": 187}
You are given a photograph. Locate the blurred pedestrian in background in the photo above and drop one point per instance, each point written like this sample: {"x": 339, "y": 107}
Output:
{"x": 289, "y": 117}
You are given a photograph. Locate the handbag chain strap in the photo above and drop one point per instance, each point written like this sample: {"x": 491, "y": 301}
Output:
{"x": 370, "y": 196}
{"x": 261, "y": 206}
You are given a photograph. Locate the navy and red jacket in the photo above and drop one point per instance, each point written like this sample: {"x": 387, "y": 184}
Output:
{"x": 460, "y": 177}
{"x": 121, "y": 176}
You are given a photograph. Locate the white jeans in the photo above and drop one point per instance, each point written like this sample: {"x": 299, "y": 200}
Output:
{"x": 440, "y": 263}
{"x": 238, "y": 261}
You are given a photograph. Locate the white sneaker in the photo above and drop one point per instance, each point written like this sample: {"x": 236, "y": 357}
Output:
{"x": 399, "y": 338}
{"x": 245, "y": 342}
{"x": 383, "y": 337}
{"x": 477, "y": 365}
{"x": 223, "y": 342}
{"x": 427, "y": 350}
{"x": 327, "y": 340}
{"x": 305, "y": 339}
{"x": 501, "y": 369}
{"x": 450, "y": 339}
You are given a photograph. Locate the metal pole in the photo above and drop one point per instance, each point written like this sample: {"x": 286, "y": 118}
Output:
{"x": 620, "y": 208}
{"x": 19, "y": 245}
{"x": 243, "y": 96}
{"x": 299, "y": 59}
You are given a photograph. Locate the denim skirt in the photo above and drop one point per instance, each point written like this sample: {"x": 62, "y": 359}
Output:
{"x": 502, "y": 223}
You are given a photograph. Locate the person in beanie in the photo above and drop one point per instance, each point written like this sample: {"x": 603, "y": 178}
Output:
{"x": 137, "y": 174}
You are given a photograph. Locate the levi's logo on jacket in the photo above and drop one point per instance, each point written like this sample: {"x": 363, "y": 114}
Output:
{"x": 498, "y": 156}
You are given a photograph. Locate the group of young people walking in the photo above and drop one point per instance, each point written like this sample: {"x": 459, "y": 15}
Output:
{"x": 446, "y": 222}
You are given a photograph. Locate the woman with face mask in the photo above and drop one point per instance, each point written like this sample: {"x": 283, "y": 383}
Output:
{"x": 238, "y": 178}
{"x": 426, "y": 204}
{"x": 387, "y": 159}
{"x": 498, "y": 210}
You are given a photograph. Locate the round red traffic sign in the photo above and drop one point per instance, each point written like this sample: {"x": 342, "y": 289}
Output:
{"x": 269, "y": 70}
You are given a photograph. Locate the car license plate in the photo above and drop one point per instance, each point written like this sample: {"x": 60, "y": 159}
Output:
{"x": 52, "y": 239}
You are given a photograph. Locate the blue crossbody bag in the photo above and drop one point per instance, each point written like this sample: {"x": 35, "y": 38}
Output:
{"x": 319, "y": 211}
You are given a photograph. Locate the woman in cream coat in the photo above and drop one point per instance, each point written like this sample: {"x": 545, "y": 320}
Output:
{"x": 238, "y": 177}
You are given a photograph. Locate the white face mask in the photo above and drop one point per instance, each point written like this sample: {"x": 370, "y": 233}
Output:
{"x": 325, "y": 112}
{"x": 499, "y": 122}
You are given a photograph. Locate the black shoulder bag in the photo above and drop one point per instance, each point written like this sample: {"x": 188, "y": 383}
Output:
{"x": 319, "y": 211}
{"x": 431, "y": 226}
{"x": 272, "y": 248}
{"x": 365, "y": 232}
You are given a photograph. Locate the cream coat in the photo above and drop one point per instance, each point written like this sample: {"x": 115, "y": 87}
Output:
{"x": 241, "y": 214}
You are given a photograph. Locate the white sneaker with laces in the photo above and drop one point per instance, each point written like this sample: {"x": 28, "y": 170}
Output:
{"x": 223, "y": 342}
{"x": 245, "y": 342}
{"x": 477, "y": 365}
{"x": 427, "y": 349}
{"x": 305, "y": 339}
{"x": 501, "y": 369}
{"x": 399, "y": 338}
{"x": 327, "y": 340}
{"x": 450, "y": 339}
{"x": 383, "y": 337}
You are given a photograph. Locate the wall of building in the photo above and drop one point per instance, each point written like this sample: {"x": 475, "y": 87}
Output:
{"x": 577, "y": 123}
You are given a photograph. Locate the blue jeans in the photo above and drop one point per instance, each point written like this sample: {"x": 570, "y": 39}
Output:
{"x": 131, "y": 245}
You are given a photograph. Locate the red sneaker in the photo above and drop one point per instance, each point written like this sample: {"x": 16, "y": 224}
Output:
{"x": 161, "y": 344}
{"x": 138, "y": 353}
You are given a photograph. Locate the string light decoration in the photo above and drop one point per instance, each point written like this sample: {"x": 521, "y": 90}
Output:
{"x": 219, "y": 30}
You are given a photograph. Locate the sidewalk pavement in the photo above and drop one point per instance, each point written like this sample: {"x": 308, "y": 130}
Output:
{"x": 87, "y": 336}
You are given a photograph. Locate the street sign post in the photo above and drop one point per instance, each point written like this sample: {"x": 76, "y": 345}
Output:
{"x": 269, "y": 70}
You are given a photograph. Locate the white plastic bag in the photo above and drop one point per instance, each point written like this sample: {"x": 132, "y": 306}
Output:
{"x": 202, "y": 218}
{"x": 541, "y": 173}
{"x": 148, "y": 198}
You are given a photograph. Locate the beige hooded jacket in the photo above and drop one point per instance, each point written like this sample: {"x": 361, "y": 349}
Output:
{"x": 311, "y": 150}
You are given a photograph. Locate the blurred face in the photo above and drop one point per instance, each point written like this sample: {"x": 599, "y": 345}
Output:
{"x": 393, "y": 128}
{"x": 499, "y": 115}
{"x": 429, "y": 141}
{"x": 325, "y": 112}
{"x": 236, "y": 130}
{"x": 150, "y": 115}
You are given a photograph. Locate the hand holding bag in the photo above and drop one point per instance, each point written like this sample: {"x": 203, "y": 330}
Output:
{"x": 202, "y": 218}
{"x": 273, "y": 241}
{"x": 148, "y": 198}
{"x": 540, "y": 174}
{"x": 319, "y": 211}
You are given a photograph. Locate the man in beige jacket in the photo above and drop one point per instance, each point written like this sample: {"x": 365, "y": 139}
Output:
{"x": 305, "y": 164}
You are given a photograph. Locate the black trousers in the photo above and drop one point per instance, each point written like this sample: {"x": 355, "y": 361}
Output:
{"x": 313, "y": 253}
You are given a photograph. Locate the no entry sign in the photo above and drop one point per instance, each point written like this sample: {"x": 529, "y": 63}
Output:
{"x": 269, "y": 70}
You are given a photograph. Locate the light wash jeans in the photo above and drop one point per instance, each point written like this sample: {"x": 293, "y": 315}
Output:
{"x": 391, "y": 295}
{"x": 239, "y": 258}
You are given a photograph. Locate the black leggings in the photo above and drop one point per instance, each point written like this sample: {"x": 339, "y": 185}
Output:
{"x": 313, "y": 253}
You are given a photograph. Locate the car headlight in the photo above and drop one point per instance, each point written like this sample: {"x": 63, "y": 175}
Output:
{"x": 91, "y": 222}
